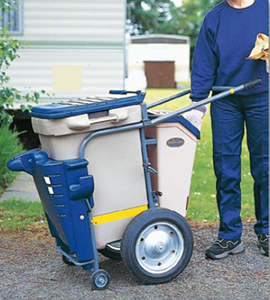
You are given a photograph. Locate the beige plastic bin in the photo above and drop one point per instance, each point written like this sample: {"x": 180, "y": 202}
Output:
{"x": 173, "y": 158}
{"x": 115, "y": 161}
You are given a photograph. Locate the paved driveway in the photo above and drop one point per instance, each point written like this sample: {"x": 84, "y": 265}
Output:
{"x": 30, "y": 268}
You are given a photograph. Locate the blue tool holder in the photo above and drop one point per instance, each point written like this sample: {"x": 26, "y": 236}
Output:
{"x": 63, "y": 198}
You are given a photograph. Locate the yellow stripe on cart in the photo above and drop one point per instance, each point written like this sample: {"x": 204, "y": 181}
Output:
{"x": 119, "y": 215}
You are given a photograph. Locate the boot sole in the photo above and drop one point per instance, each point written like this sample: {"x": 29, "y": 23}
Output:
{"x": 240, "y": 248}
{"x": 262, "y": 251}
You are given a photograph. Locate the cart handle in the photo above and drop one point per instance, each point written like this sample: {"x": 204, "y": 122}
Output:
{"x": 251, "y": 83}
{"x": 140, "y": 125}
{"x": 162, "y": 101}
{"x": 246, "y": 85}
{"x": 224, "y": 94}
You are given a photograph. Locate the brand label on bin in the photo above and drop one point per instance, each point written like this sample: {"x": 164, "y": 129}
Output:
{"x": 175, "y": 142}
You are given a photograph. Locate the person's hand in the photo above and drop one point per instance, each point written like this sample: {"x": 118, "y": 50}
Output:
{"x": 202, "y": 108}
{"x": 196, "y": 115}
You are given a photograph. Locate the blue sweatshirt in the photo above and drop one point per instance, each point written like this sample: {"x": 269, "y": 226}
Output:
{"x": 226, "y": 38}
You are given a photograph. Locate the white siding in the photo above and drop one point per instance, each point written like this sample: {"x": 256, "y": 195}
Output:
{"x": 71, "y": 20}
{"x": 102, "y": 70}
{"x": 85, "y": 33}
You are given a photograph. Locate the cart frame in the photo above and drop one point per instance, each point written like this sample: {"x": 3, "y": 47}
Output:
{"x": 100, "y": 278}
{"x": 152, "y": 198}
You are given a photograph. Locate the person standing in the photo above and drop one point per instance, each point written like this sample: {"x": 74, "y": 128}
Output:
{"x": 226, "y": 38}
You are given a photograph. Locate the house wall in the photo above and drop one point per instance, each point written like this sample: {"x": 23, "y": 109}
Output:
{"x": 71, "y": 48}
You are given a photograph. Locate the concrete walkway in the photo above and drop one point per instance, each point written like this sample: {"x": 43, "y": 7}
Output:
{"x": 22, "y": 187}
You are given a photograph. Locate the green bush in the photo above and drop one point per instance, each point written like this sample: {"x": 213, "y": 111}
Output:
{"x": 9, "y": 47}
{"x": 9, "y": 146}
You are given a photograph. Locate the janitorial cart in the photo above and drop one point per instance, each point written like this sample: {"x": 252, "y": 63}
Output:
{"x": 113, "y": 177}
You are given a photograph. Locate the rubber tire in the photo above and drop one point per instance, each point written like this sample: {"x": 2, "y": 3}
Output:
{"x": 67, "y": 261}
{"x": 132, "y": 232}
{"x": 97, "y": 273}
{"x": 116, "y": 255}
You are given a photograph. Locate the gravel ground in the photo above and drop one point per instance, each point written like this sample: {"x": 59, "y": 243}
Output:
{"x": 31, "y": 269}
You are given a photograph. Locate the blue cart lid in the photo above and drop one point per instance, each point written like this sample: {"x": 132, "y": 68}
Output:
{"x": 181, "y": 120}
{"x": 74, "y": 107}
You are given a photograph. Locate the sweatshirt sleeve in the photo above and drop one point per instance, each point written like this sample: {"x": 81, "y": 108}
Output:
{"x": 204, "y": 64}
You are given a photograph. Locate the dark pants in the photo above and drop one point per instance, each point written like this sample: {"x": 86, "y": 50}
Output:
{"x": 229, "y": 116}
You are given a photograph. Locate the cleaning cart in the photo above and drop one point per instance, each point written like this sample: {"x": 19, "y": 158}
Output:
{"x": 114, "y": 176}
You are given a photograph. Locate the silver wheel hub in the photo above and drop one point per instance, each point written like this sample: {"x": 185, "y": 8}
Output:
{"x": 101, "y": 280}
{"x": 159, "y": 247}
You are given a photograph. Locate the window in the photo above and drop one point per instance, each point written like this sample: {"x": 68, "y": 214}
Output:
{"x": 13, "y": 19}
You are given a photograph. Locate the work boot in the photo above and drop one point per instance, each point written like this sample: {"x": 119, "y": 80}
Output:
{"x": 222, "y": 248}
{"x": 263, "y": 243}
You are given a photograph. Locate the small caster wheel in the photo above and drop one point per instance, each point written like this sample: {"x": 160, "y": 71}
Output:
{"x": 100, "y": 279}
{"x": 67, "y": 261}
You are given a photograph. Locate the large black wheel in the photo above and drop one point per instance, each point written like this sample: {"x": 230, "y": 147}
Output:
{"x": 157, "y": 245}
{"x": 100, "y": 280}
{"x": 112, "y": 250}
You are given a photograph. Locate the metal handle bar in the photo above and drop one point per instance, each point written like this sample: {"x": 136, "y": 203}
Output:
{"x": 162, "y": 101}
{"x": 224, "y": 94}
{"x": 247, "y": 85}
{"x": 221, "y": 88}
{"x": 251, "y": 83}
{"x": 140, "y": 125}
{"x": 106, "y": 132}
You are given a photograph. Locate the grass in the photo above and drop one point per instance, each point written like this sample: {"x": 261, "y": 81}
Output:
{"x": 202, "y": 203}
{"x": 18, "y": 215}
{"x": 9, "y": 147}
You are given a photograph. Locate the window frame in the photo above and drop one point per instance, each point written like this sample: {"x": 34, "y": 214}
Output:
{"x": 4, "y": 20}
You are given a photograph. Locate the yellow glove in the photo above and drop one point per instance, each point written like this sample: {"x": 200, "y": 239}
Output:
{"x": 261, "y": 49}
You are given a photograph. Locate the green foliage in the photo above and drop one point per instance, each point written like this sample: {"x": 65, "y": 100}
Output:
{"x": 191, "y": 15}
{"x": 163, "y": 17}
{"x": 8, "y": 53}
{"x": 7, "y": 5}
{"x": 149, "y": 16}
{"x": 153, "y": 17}
{"x": 9, "y": 147}
{"x": 18, "y": 214}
